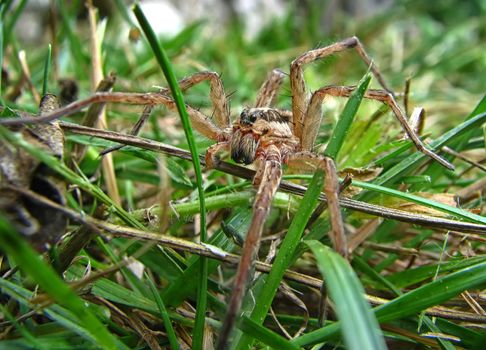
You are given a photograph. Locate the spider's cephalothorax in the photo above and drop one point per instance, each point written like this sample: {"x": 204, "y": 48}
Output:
{"x": 255, "y": 129}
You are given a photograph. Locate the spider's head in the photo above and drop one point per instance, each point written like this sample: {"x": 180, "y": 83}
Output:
{"x": 249, "y": 115}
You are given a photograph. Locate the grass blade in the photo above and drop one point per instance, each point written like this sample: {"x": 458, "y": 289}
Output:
{"x": 412, "y": 302}
{"x": 433, "y": 293}
{"x": 265, "y": 335}
{"x": 459, "y": 213}
{"x": 412, "y": 162}
{"x": 359, "y": 326}
{"x": 47, "y": 67}
{"x": 166, "y": 67}
{"x": 346, "y": 118}
{"x": 165, "y": 316}
{"x": 1, "y": 52}
{"x": 30, "y": 263}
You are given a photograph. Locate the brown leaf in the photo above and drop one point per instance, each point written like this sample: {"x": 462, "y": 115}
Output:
{"x": 40, "y": 224}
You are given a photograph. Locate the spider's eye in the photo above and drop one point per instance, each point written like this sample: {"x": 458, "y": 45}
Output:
{"x": 247, "y": 117}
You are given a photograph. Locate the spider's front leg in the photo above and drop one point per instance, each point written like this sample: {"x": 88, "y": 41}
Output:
{"x": 297, "y": 82}
{"x": 307, "y": 161}
{"x": 314, "y": 114}
{"x": 216, "y": 94}
{"x": 307, "y": 114}
{"x": 268, "y": 179}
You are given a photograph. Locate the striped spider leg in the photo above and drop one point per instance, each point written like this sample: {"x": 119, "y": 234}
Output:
{"x": 307, "y": 114}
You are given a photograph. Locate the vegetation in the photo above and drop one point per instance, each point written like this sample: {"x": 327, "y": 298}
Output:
{"x": 130, "y": 270}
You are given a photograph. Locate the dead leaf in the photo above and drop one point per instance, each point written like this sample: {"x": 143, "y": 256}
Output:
{"x": 40, "y": 224}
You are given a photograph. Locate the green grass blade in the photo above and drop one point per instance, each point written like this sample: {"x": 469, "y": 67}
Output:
{"x": 433, "y": 293}
{"x": 285, "y": 254}
{"x": 409, "y": 277}
{"x": 456, "y": 212}
{"x": 47, "y": 67}
{"x": 377, "y": 277}
{"x": 56, "y": 313}
{"x": 460, "y": 213}
{"x": 359, "y": 326}
{"x": 412, "y": 162}
{"x": 413, "y": 302}
{"x": 1, "y": 54}
{"x": 346, "y": 118}
{"x": 13, "y": 17}
{"x": 30, "y": 263}
{"x": 180, "y": 289}
{"x": 31, "y": 340}
{"x": 166, "y": 67}
{"x": 265, "y": 335}
{"x": 434, "y": 171}
{"x": 74, "y": 42}
{"x": 165, "y": 316}
{"x": 122, "y": 9}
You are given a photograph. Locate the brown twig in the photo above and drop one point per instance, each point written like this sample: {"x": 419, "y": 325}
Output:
{"x": 384, "y": 212}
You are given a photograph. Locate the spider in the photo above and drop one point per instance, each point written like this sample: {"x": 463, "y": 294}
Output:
{"x": 268, "y": 137}
{"x": 271, "y": 137}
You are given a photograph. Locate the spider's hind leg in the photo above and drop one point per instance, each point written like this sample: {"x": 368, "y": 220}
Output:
{"x": 297, "y": 82}
{"x": 308, "y": 161}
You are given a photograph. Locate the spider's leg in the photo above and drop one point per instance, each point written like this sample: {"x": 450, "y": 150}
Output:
{"x": 313, "y": 117}
{"x": 297, "y": 83}
{"x": 212, "y": 153}
{"x": 269, "y": 182}
{"x": 216, "y": 95}
{"x": 267, "y": 95}
{"x": 137, "y": 127}
{"x": 199, "y": 121}
{"x": 305, "y": 161}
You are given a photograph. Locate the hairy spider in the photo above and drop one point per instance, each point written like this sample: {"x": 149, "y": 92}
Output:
{"x": 271, "y": 137}
{"x": 268, "y": 137}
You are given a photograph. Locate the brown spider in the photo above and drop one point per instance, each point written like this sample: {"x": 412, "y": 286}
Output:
{"x": 268, "y": 137}
{"x": 271, "y": 137}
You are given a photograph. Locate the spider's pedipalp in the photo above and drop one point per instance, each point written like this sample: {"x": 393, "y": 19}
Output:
{"x": 211, "y": 157}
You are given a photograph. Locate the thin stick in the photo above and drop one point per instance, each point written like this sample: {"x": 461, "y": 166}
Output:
{"x": 27, "y": 76}
{"x": 236, "y": 170}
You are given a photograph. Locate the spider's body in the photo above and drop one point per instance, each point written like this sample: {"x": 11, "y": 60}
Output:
{"x": 256, "y": 130}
